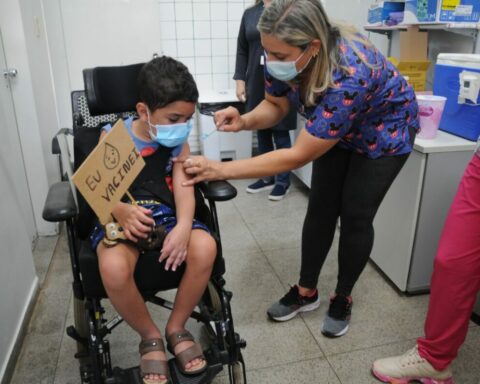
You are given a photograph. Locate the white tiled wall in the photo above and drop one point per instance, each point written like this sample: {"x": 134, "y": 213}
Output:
{"x": 203, "y": 35}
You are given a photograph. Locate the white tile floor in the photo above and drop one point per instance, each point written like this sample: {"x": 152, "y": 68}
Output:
{"x": 261, "y": 241}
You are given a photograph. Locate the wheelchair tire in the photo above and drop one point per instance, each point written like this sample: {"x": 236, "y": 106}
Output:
{"x": 237, "y": 374}
{"x": 213, "y": 300}
{"x": 81, "y": 327}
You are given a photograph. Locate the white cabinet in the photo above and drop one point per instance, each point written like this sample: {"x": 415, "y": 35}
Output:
{"x": 411, "y": 217}
{"x": 303, "y": 173}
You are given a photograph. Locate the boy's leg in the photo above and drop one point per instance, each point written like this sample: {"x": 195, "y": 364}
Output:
{"x": 117, "y": 265}
{"x": 456, "y": 276}
{"x": 201, "y": 255}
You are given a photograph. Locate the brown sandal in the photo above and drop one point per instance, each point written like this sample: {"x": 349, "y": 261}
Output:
{"x": 189, "y": 354}
{"x": 153, "y": 367}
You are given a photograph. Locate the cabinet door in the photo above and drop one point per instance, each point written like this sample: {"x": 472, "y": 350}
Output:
{"x": 443, "y": 172}
{"x": 11, "y": 153}
{"x": 303, "y": 173}
{"x": 396, "y": 221}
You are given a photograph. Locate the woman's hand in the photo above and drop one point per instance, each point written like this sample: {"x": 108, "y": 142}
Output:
{"x": 174, "y": 249}
{"x": 240, "y": 90}
{"x": 202, "y": 168}
{"x": 136, "y": 221}
{"x": 229, "y": 120}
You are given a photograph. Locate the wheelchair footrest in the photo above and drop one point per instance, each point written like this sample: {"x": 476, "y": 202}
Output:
{"x": 132, "y": 375}
{"x": 206, "y": 377}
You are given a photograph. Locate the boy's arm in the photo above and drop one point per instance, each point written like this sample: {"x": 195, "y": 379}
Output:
{"x": 184, "y": 196}
{"x": 174, "y": 250}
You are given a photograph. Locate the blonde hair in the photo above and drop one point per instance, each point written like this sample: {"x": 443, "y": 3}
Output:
{"x": 298, "y": 23}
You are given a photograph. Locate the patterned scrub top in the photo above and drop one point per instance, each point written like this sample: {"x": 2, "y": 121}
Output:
{"x": 370, "y": 110}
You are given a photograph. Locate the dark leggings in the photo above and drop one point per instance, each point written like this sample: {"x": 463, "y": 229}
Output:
{"x": 350, "y": 186}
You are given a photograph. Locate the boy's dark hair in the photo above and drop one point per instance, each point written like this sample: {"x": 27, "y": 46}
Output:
{"x": 164, "y": 80}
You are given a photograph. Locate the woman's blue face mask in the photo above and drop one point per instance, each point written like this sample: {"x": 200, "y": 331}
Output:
{"x": 285, "y": 70}
{"x": 169, "y": 135}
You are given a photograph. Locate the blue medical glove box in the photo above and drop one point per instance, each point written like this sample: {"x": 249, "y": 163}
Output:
{"x": 460, "y": 117}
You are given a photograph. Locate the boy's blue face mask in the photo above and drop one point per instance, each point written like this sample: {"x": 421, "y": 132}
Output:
{"x": 169, "y": 135}
{"x": 285, "y": 70}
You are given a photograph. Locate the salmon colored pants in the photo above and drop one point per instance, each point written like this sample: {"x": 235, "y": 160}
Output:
{"x": 456, "y": 275}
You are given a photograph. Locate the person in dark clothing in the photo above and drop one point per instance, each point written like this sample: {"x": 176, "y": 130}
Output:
{"x": 362, "y": 118}
{"x": 250, "y": 87}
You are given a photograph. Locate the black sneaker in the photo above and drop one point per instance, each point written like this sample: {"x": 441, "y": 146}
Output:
{"x": 291, "y": 304}
{"x": 261, "y": 185}
{"x": 279, "y": 192}
{"x": 338, "y": 316}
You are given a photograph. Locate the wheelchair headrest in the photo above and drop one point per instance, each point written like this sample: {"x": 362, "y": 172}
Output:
{"x": 111, "y": 89}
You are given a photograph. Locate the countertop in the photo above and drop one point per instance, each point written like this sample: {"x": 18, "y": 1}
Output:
{"x": 217, "y": 96}
{"x": 444, "y": 142}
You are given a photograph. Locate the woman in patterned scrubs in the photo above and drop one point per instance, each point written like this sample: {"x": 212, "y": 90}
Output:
{"x": 361, "y": 123}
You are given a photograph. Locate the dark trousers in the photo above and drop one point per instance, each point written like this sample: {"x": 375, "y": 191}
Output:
{"x": 350, "y": 186}
{"x": 281, "y": 138}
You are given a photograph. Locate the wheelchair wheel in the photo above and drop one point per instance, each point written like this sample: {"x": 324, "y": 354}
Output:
{"x": 237, "y": 373}
{"x": 81, "y": 327}
{"x": 212, "y": 297}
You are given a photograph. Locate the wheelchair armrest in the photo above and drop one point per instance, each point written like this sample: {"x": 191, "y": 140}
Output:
{"x": 218, "y": 190}
{"x": 60, "y": 204}
{"x": 55, "y": 146}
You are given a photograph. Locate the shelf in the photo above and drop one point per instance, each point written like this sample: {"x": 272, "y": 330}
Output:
{"x": 467, "y": 29}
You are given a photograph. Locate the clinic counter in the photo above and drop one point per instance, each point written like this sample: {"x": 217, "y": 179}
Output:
{"x": 443, "y": 142}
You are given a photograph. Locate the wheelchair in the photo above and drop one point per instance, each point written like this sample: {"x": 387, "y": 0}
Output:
{"x": 110, "y": 94}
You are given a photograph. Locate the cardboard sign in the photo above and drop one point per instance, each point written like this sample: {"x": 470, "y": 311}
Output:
{"x": 108, "y": 171}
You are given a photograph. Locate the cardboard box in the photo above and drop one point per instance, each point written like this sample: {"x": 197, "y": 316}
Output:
{"x": 386, "y": 12}
{"x": 415, "y": 71}
{"x": 421, "y": 11}
{"x": 413, "y": 45}
{"x": 458, "y": 11}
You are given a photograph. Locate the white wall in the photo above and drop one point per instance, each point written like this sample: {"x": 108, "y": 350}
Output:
{"x": 108, "y": 32}
{"x": 200, "y": 33}
{"x": 355, "y": 12}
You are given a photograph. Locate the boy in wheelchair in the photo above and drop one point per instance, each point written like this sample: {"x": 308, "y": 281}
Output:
{"x": 167, "y": 94}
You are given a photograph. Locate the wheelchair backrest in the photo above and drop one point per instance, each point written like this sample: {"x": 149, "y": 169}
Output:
{"x": 110, "y": 93}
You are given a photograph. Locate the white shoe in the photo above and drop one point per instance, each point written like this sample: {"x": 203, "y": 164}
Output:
{"x": 409, "y": 367}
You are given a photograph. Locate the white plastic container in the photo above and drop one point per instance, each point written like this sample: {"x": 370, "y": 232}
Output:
{"x": 430, "y": 111}
{"x": 221, "y": 145}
